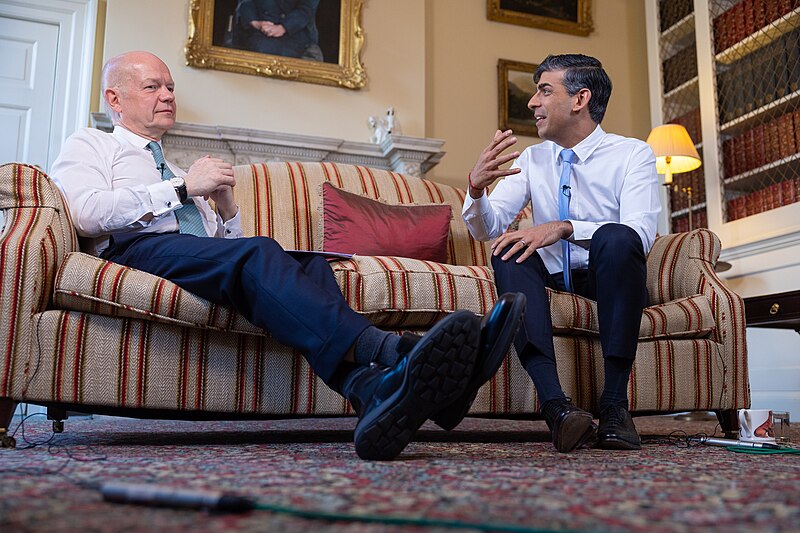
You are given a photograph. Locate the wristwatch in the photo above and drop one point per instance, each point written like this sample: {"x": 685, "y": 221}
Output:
{"x": 180, "y": 187}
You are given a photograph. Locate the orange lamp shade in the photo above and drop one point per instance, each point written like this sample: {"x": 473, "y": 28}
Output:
{"x": 674, "y": 150}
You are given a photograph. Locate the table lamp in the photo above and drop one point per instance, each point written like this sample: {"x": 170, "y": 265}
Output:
{"x": 675, "y": 153}
{"x": 674, "y": 149}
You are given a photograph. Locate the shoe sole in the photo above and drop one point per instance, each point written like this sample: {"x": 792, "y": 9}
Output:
{"x": 452, "y": 415}
{"x": 438, "y": 371}
{"x": 574, "y": 431}
{"x": 614, "y": 443}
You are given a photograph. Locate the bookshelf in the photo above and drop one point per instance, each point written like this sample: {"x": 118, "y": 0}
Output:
{"x": 729, "y": 71}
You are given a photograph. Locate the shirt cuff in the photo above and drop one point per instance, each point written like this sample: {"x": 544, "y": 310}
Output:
{"x": 582, "y": 230}
{"x": 163, "y": 198}
{"x": 232, "y": 229}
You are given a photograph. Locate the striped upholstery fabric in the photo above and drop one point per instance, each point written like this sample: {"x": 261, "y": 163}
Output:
{"x": 689, "y": 317}
{"x": 392, "y": 292}
{"x": 282, "y": 201}
{"x": 37, "y": 235}
{"x": 116, "y": 337}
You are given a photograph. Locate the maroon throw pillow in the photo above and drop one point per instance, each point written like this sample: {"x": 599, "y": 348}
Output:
{"x": 358, "y": 225}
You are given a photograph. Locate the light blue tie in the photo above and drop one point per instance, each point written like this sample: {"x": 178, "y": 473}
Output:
{"x": 189, "y": 219}
{"x": 564, "y": 196}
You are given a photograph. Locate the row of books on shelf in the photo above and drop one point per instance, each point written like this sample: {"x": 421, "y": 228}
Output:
{"x": 679, "y": 68}
{"x": 682, "y": 224}
{"x": 679, "y": 193}
{"x": 691, "y": 121}
{"x": 670, "y": 12}
{"x": 771, "y": 141}
{"x": 771, "y": 197}
{"x": 746, "y": 18}
{"x": 759, "y": 78}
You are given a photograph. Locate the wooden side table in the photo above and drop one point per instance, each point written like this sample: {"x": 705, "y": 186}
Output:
{"x": 780, "y": 310}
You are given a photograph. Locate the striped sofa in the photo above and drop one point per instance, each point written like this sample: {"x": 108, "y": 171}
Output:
{"x": 80, "y": 333}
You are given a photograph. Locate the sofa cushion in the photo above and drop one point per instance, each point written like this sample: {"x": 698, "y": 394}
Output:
{"x": 399, "y": 292}
{"x": 356, "y": 224}
{"x": 392, "y": 292}
{"x": 689, "y": 317}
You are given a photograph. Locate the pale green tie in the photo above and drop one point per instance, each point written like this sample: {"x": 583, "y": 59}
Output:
{"x": 189, "y": 219}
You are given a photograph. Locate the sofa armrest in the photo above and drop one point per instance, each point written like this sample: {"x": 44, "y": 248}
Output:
{"x": 682, "y": 265}
{"x": 36, "y": 236}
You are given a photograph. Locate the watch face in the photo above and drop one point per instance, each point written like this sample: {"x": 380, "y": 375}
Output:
{"x": 176, "y": 182}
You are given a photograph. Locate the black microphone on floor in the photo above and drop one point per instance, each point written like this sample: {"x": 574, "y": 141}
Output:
{"x": 164, "y": 496}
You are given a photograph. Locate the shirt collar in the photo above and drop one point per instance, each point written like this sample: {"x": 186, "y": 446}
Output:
{"x": 584, "y": 149}
{"x": 132, "y": 138}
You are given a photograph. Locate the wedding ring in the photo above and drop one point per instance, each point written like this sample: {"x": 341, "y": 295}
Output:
{"x": 523, "y": 242}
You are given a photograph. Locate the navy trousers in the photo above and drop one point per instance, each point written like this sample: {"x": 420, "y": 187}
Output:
{"x": 295, "y": 297}
{"x": 616, "y": 279}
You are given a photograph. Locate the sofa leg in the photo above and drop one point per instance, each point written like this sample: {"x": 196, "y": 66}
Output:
{"x": 57, "y": 415}
{"x": 7, "y": 408}
{"x": 729, "y": 421}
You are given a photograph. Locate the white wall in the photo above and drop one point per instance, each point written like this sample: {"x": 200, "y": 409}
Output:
{"x": 773, "y": 354}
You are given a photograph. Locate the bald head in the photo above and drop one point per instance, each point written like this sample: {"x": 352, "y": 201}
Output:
{"x": 119, "y": 69}
{"x": 138, "y": 91}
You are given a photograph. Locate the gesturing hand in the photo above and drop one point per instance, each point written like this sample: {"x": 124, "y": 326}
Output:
{"x": 208, "y": 174}
{"x": 531, "y": 239}
{"x": 487, "y": 168}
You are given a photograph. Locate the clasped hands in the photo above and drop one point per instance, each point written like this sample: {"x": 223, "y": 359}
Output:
{"x": 211, "y": 177}
{"x": 485, "y": 172}
{"x": 270, "y": 29}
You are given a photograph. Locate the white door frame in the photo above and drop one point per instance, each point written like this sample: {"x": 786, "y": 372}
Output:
{"x": 77, "y": 21}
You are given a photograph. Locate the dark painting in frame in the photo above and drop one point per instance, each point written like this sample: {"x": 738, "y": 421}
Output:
{"x": 220, "y": 39}
{"x": 565, "y": 16}
{"x": 515, "y": 88}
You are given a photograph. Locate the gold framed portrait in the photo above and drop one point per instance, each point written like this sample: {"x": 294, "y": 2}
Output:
{"x": 312, "y": 41}
{"x": 565, "y": 16}
{"x": 515, "y": 88}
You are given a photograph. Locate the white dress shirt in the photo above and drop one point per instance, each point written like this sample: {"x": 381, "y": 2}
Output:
{"x": 110, "y": 181}
{"x": 613, "y": 180}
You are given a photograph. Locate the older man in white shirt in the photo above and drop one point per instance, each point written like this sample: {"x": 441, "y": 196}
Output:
{"x": 594, "y": 198}
{"x": 133, "y": 207}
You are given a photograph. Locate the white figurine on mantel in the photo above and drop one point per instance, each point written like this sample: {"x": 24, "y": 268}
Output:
{"x": 379, "y": 130}
{"x": 373, "y": 130}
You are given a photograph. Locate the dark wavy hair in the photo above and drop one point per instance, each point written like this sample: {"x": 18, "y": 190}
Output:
{"x": 581, "y": 72}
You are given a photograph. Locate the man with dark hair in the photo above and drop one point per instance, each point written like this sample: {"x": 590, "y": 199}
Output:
{"x": 595, "y": 205}
{"x": 133, "y": 207}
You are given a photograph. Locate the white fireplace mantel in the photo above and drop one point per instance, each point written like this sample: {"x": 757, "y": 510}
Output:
{"x": 186, "y": 142}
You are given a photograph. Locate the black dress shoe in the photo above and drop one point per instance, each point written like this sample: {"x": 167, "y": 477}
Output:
{"x": 393, "y": 402}
{"x": 617, "y": 431}
{"x": 570, "y": 426}
{"x": 498, "y": 328}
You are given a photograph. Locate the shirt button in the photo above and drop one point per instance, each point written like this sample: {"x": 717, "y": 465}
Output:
{"x": 169, "y": 204}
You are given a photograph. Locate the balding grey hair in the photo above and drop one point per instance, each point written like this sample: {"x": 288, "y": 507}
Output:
{"x": 114, "y": 75}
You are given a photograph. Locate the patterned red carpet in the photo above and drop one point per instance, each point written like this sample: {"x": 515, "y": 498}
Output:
{"x": 489, "y": 473}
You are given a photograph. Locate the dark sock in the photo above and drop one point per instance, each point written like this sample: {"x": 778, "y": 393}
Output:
{"x": 542, "y": 371}
{"x": 617, "y": 375}
{"x": 376, "y": 346}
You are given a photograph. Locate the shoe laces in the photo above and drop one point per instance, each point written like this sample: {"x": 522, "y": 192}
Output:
{"x": 552, "y": 408}
{"x": 615, "y": 414}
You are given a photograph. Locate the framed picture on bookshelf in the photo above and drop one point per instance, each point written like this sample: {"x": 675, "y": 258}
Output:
{"x": 322, "y": 46}
{"x": 565, "y": 16}
{"x": 515, "y": 88}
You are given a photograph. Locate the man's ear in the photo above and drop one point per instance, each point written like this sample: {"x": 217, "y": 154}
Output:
{"x": 582, "y": 98}
{"x": 112, "y": 97}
